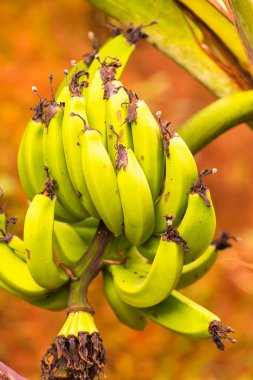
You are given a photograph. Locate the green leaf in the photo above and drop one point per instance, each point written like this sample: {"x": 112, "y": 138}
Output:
{"x": 242, "y": 11}
{"x": 174, "y": 36}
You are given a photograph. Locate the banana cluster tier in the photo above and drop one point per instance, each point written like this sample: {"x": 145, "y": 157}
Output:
{"x": 111, "y": 188}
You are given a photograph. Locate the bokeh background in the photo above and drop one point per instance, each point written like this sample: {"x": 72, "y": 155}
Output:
{"x": 41, "y": 37}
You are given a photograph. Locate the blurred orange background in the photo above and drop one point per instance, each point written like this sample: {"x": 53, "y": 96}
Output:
{"x": 41, "y": 37}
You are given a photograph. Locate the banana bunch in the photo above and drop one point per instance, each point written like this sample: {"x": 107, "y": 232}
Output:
{"x": 111, "y": 188}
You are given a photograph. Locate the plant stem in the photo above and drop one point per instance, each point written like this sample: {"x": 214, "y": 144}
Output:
{"x": 216, "y": 119}
{"x": 7, "y": 373}
{"x": 89, "y": 266}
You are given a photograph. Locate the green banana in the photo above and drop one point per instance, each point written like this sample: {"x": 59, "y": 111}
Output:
{"x": 135, "y": 195}
{"x": 14, "y": 273}
{"x": 149, "y": 248}
{"x": 2, "y": 221}
{"x": 199, "y": 221}
{"x": 55, "y": 300}
{"x": 195, "y": 270}
{"x": 69, "y": 247}
{"x": 54, "y": 159}
{"x": 71, "y": 129}
{"x": 101, "y": 179}
{"x": 183, "y": 316}
{"x": 143, "y": 285}
{"x": 13, "y": 241}
{"x": 124, "y": 312}
{"x": 121, "y": 45}
{"x": 30, "y": 156}
{"x": 38, "y": 236}
{"x": 116, "y": 114}
{"x": 101, "y": 88}
{"x": 147, "y": 142}
{"x": 181, "y": 174}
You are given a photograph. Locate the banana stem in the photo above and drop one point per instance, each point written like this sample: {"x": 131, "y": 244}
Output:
{"x": 88, "y": 267}
{"x": 216, "y": 119}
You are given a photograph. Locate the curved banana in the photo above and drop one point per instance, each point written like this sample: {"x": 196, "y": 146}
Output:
{"x": 121, "y": 45}
{"x": 71, "y": 130}
{"x": 14, "y": 273}
{"x": 38, "y": 236}
{"x": 199, "y": 221}
{"x": 30, "y": 155}
{"x": 100, "y": 89}
{"x": 124, "y": 312}
{"x": 149, "y": 248}
{"x": 101, "y": 180}
{"x": 55, "y": 300}
{"x": 147, "y": 142}
{"x": 143, "y": 285}
{"x": 135, "y": 195}
{"x": 116, "y": 114}
{"x": 195, "y": 270}
{"x": 69, "y": 247}
{"x": 183, "y": 316}
{"x": 54, "y": 159}
{"x": 181, "y": 174}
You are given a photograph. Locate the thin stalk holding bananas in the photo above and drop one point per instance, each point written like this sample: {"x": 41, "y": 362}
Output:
{"x": 14, "y": 273}
{"x": 116, "y": 114}
{"x": 38, "y": 236}
{"x": 199, "y": 221}
{"x": 54, "y": 159}
{"x": 195, "y": 270}
{"x": 183, "y": 316}
{"x": 124, "y": 312}
{"x": 71, "y": 129}
{"x": 181, "y": 174}
{"x": 148, "y": 284}
{"x": 147, "y": 142}
{"x": 135, "y": 195}
{"x": 101, "y": 179}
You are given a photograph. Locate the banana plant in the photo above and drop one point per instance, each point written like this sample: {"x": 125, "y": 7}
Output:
{"x": 211, "y": 40}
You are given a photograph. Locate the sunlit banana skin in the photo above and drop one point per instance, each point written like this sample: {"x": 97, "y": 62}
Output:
{"x": 69, "y": 247}
{"x": 116, "y": 114}
{"x": 184, "y": 316}
{"x": 195, "y": 270}
{"x": 54, "y": 159}
{"x": 72, "y": 128}
{"x": 101, "y": 180}
{"x": 124, "y": 312}
{"x": 197, "y": 226}
{"x": 147, "y": 143}
{"x": 38, "y": 239}
{"x": 136, "y": 198}
{"x": 30, "y": 155}
{"x": 14, "y": 273}
{"x": 181, "y": 174}
{"x": 148, "y": 284}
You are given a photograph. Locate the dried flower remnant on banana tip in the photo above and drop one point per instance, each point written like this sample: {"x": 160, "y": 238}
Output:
{"x": 200, "y": 188}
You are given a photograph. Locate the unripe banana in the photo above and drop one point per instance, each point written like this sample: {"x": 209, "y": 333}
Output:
{"x": 71, "y": 130}
{"x": 68, "y": 245}
{"x": 124, "y": 312}
{"x": 38, "y": 236}
{"x": 143, "y": 285}
{"x": 183, "y": 316}
{"x": 195, "y": 270}
{"x": 181, "y": 174}
{"x": 101, "y": 180}
{"x": 147, "y": 142}
{"x": 15, "y": 274}
{"x": 135, "y": 195}
{"x": 199, "y": 222}
{"x": 55, "y": 160}
{"x": 116, "y": 114}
